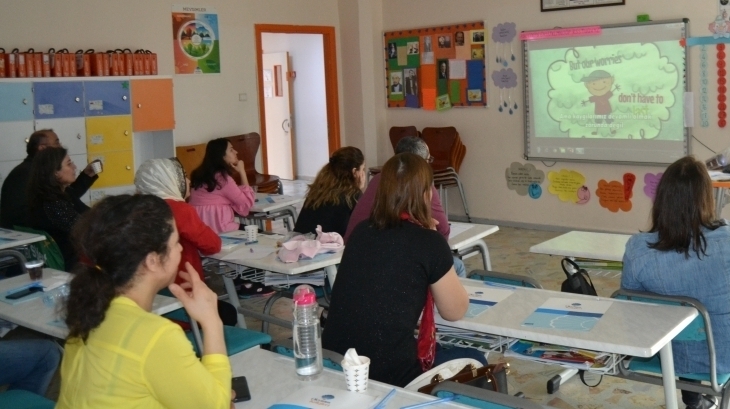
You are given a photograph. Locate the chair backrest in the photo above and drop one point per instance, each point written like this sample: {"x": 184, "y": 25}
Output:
{"x": 442, "y": 142}
{"x": 505, "y": 278}
{"x": 22, "y": 399}
{"x": 700, "y": 329}
{"x": 190, "y": 156}
{"x": 398, "y": 132}
{"x": 49, "y": 248}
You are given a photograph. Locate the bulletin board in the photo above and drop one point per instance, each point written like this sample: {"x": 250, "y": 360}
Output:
{"x": 436, "y": 68}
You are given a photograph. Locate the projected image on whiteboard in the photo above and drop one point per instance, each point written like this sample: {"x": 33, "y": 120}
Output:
{"x": 624, "y": 91}
{"x": 613, "y": 98}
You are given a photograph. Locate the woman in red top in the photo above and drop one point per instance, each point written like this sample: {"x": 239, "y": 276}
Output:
{"x": 166, "y": 179}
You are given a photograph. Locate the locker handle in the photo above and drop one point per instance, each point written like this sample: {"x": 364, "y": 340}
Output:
{"x": 78, "y": 136}
{"x": 77, "y": 99}
{"x": 126, "y": 133}
{"x": 124, "y": 97}
{"x": 128, "y": 167}
{"x": 139, "y": 105}
{"x": 25, "y": 101}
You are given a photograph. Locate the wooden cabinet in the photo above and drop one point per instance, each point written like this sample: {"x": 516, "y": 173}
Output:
{"x": 119, "y": 120}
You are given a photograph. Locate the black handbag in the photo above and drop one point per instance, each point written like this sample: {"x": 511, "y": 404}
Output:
{"x": 492, "y": 377}
{"x": 578, "y": 281}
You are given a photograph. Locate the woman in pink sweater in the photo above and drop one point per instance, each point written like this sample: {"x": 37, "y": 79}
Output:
{"x": 215, "y": 195}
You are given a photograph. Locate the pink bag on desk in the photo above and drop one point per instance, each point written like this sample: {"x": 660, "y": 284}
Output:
{"x": 299, "y": 247}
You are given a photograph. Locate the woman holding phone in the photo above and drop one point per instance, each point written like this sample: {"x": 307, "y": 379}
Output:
{"x": 118, "y": 353}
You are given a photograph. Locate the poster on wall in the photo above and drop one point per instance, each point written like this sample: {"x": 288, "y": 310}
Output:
{"x": 436, "y": 68}
{"x": 195, "y": 40}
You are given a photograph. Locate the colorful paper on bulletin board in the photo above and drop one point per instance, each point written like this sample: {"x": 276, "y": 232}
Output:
{"x": 475, "y": 74}
{"x": 455, "y": 92}
{"x": 196, "y": 41}
{"x": 443, "y": 103}
{"x": 395, "y": 86}
{"x": 520, "y": 178}
{"x": 424, "y": 49}
{"x": 612, "y": 196}
{"x": 651, "y": 181}
{"x": 565, "y": 184}
{"x": 429, "y": 99}
{"x": 412, "y": 101}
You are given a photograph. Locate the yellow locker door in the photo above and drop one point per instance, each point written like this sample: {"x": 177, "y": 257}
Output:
{"x": 118, "y": 168}
{"x": 108, "y": 133}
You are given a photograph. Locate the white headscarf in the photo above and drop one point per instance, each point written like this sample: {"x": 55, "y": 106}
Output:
{"x": 163, "y": 178}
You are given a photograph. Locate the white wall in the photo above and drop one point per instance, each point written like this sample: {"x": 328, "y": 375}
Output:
{"x": 306, "y": 52}
{"x": 494, "y": 139}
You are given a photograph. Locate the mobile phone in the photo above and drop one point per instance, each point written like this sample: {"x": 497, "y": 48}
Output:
{"x": 240, "y": 386}
{"x": 22, "y": 293}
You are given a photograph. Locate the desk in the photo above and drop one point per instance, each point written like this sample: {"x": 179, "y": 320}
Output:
{"x": 271, "y": 377}
{"x": 270, "y": 262}
{"x": 470, "y": 240}
{"x": 720, "y": 189}
{"x": 598, "y": 246}
{"x": 35, "y": 315}
{"x": 627, "y": 328}
{"x": 282, "y": 205}
{"x": 12, "y": 238}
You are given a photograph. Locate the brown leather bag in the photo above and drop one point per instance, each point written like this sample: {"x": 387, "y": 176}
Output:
{"x": 492, "y": 377}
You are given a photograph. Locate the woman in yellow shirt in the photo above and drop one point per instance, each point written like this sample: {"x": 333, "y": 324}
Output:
{"x": 118, "y": 353}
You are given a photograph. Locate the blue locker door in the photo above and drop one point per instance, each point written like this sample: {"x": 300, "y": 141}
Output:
{"x": 16, "y": 102}
{"x": 58, "y": 99}
{"x": 106, "y": 98}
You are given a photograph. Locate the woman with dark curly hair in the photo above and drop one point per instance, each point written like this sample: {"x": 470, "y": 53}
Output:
{"x": 51, "y": 209}
{"x": 118, "y": 354}
{"x": 333, "y": 194}
{"x": 214, "y": 194}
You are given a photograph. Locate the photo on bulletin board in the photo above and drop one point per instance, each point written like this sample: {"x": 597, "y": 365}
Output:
{"x": 436, "y": 68}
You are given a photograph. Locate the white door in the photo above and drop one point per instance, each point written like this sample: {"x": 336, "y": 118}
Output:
{"x": 277, "y": 107}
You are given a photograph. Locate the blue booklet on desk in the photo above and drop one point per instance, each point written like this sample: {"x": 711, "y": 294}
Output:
{"x": 313, "y": 397}
{"x": 31, "y": 296}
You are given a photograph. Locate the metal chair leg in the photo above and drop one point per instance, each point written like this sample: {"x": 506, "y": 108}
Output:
{"x": 267, "y": 311}
{"x": 463, "y": 199}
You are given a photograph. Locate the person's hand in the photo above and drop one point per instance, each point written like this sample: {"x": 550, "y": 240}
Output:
{"x": 89, "y": 169}
{"x": 199, "y": 300}
{"x": 240, "y": 166}
{"x": 233, "y": 396}
{"x": 434, "y": 223}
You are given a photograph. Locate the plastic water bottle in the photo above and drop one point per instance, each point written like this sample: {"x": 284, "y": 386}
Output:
{"x": 306, "y": 331}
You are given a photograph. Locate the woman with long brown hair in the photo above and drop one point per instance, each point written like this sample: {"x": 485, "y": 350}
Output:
{"x": 393, "y": 265}
{"x": 686, "y": 252}
{"x": 333, "y": 194}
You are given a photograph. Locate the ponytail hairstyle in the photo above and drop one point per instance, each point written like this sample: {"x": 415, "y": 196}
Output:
{"x": 114, "y": 238}
{"x": 213, "y": 164}
{"x": 335, "y": 181}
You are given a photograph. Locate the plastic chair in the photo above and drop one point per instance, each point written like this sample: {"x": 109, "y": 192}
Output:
{"x": 49, "y": 248}
{"x": 649, "y": 370}
{"x": 20, "y": 399}
{"x": 190, "y": 156}
{"x": 481, "y": 398}
{"x": 247, "y": 146}
{"x": 504, "y": 278}
{"x": 330, "y": 359}
{"x": 448, "y": 153}
{"x": 398, "y": 132}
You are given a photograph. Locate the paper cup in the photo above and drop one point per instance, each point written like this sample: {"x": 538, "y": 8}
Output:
{"x": 252, "y": 232}
{"x": 35, "y": 269}
{"x": 96, "y": 165}
{"x": 357, "y": 376}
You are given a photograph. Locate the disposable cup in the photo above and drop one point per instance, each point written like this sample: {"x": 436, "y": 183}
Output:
{"x": 96, "y": 166}
{"x": 252, "y": 232}
{"x": 357, "y": 376}
{"x": 35, "y": 269}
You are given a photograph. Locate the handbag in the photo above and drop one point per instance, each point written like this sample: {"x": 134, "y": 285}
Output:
{"x": 492, "y": 377}
{"x": 578, "y": 281}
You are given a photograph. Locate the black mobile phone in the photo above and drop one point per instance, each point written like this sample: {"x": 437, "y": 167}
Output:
{"x": 22, "y": 293}
{"x": 240, "y": 386}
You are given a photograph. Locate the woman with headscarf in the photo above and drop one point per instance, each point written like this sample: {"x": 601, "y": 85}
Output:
{"x": 166, "y": 179}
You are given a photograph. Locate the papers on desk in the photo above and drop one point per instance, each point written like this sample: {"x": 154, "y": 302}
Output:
{"x": 279, "y": 198}
{"x": 457, "y": 229}
{"x": 574, "y": 357}
{"x": 568, "y": 314}
{"x": 250, "y": 252}
{"x": 228, "y": 243}
{"x": 719, "y": 175}
{"x": 10, "y": 235}
{"x": 311, "y": 397}
{"x": 315, "y": 278}
{"x": 482, "y": 298}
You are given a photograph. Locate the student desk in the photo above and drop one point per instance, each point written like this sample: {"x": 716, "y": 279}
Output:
{"x": 719, "y": 189}
{"x": 467, "y": 237}
{"x": 35, "y": 315}
{"x": 598, "y": 246}
{"x": 271, "y": 377}
{"x": 269, "y": 206}
{"x": 12, "y": 238}
{"x": 270, "y": 262}
{"x": 627, "y": 328}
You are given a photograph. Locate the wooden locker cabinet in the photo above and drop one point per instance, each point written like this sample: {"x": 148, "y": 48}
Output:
{"x": 16, "y": 102}
{"x": 152, "y": 105}
{"x": 112, "y": 133}
{"x": 118, "y": 168}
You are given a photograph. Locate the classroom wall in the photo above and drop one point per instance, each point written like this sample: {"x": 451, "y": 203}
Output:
{"x": 494, "y": 139}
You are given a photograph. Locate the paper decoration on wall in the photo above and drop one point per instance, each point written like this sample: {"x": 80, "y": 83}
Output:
{"x": 524, "y": 179}
{"x": 721, "y": 87}
{"x": 506, "y": 81}
{"x": 503, "y": 34}
{"x": 565, "y": 184}
{"x": 615, "y": 195}
{"x": 195, "y": 36}
{"x": 704, "y": 95}
{"x": 437, "y": 67}
{"x": 651, "y": 181}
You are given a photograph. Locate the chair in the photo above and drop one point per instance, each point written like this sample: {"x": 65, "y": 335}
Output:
{"x": 247, "y": 146}
{"x": 190, "y": 156}
{"x": 481, "y": 398}
{"x": 448, "y": 153}
{"x": 398, "y": 132}
{"x": 49, "y": 248}
{"x": 330, "y": 359}
{"x": 504, "y": 278}
{"x": 20, "y": 399}
{"x": 648, "y": 370}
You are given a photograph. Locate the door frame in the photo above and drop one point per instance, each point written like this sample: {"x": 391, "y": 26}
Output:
{"x": 330, "y": 78}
